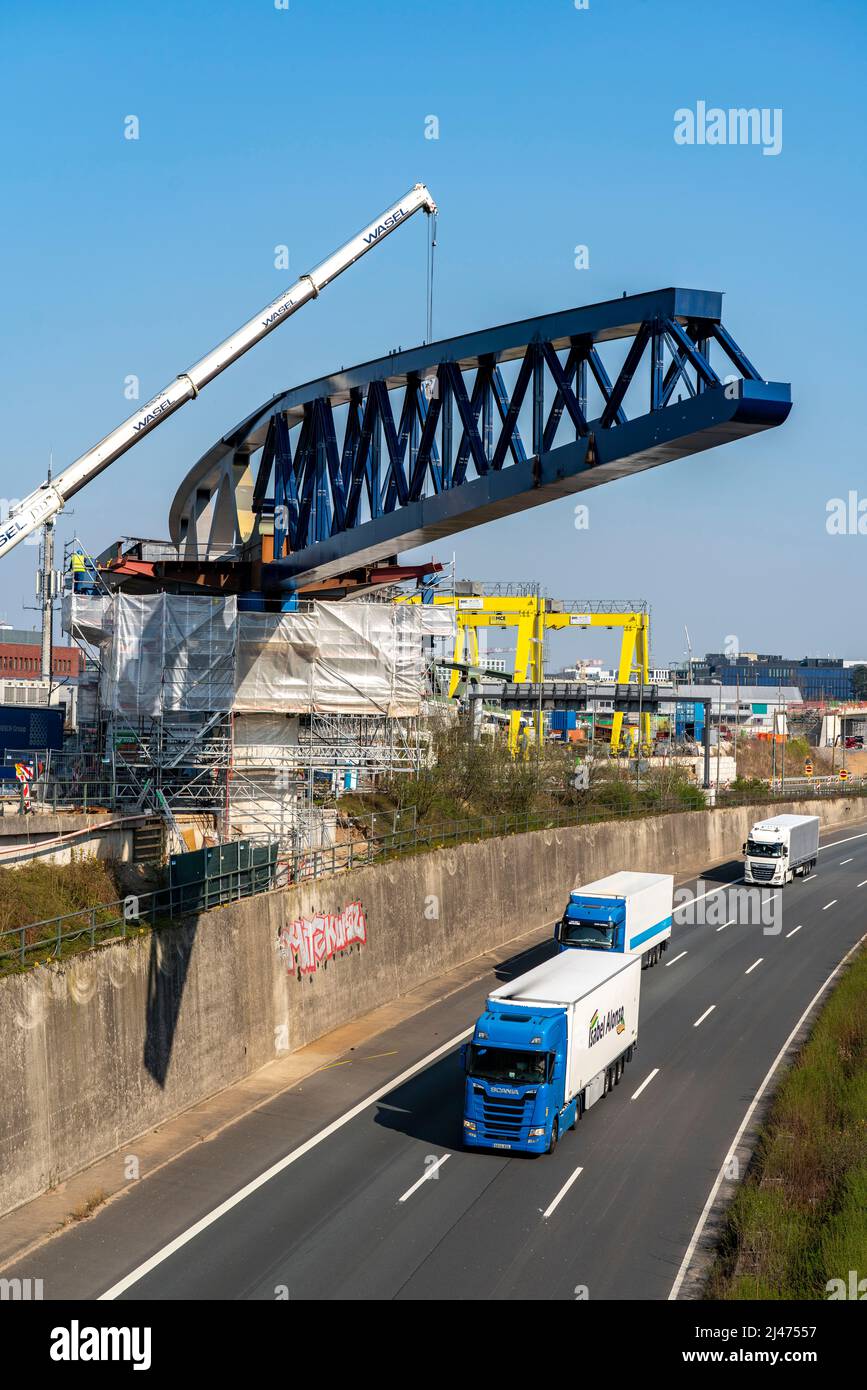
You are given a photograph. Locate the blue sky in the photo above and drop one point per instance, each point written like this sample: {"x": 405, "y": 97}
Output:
{"x": 262, "y": 126}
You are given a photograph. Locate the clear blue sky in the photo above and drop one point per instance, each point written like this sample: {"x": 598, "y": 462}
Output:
{"x": 262, "y": 126}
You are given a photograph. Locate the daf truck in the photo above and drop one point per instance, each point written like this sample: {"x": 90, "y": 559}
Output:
{"x": 547, "y": 1047}
{"x": 780, "y": 848}
{"x": 629, "y": 913}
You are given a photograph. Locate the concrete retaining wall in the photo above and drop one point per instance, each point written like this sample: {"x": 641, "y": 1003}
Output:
{"x": 23, "y": 838}
{"x": 108, "y": 1044}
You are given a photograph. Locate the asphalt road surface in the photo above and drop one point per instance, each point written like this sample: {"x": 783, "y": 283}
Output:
{"x": 373, "y": 1197}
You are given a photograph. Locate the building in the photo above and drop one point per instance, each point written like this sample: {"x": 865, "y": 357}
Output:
{"x": 818, "y": 678}
{"x": 21, "y": 657}
{"x": 752, "y": 709}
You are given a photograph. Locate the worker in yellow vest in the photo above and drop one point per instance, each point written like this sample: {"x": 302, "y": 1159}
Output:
{"x": 78, "y": 569}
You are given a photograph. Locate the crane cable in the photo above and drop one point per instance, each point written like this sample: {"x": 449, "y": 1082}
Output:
{"x": 431, "y": 250}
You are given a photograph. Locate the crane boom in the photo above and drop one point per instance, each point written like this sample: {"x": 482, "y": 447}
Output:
{"x": 49, "y": 499}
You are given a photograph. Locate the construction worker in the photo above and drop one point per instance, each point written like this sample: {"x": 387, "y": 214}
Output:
{"x": 84, "y": 573}
{"x": 78, "y": 569}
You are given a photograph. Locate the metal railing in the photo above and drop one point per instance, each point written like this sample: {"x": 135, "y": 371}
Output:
{"x": 110, "y": 921}
{"x": 353, "y": 854}
{"x": 115, "y": 921}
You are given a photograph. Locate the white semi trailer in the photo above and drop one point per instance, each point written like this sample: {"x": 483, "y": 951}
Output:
{"x": 781, "y": 847}
{"x": 49, "y": 499}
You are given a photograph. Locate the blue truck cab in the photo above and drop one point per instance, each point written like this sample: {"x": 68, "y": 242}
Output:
{"x": 626, "y": 912}
{"x": 515, "y": 1079}
{"x": 548, "y": 1045}
{"x": 592, "y": 923}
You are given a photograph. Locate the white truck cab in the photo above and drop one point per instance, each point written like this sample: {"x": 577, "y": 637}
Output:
{"x": 780, "y": 848}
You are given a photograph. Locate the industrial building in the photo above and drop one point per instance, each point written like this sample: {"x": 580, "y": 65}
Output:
{"x": 818, "y": 678}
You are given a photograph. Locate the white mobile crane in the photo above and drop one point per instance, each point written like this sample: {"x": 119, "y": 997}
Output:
{"x": 49, "y": 499}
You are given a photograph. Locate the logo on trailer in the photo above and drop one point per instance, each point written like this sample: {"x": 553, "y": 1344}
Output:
{"x": 600, "y": 1027}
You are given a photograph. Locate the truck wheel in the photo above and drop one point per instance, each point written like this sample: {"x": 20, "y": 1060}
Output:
{"x": 555, "y": 1135}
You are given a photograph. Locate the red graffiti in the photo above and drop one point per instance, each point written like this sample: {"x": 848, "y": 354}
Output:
{"x": 308, "y": 941}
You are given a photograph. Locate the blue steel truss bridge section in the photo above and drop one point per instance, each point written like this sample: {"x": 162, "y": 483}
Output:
{"x": 398, "y": 453}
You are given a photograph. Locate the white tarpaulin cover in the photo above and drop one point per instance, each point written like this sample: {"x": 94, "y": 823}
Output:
{"x": 338, "y": 658}
{"x": 84, "y": 616}
{"x": 165, "y": 652}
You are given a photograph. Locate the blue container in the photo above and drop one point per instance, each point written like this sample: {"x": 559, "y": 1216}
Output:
{"x": 31, "y": 729}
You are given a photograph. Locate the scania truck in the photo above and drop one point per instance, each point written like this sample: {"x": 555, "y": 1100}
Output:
{"x": 547, "y": 1047}
{"x": 625, "y": 912}
{"x": 781, "y": 847}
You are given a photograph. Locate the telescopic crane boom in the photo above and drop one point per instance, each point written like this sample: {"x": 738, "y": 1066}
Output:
{"x": 50, "y": 498}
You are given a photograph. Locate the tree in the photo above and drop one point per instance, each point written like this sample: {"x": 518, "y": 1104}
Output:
{"x": 859, "y": 682}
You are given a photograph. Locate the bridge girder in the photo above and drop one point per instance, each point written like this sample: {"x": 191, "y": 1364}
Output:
{"x": 362, "y": 480}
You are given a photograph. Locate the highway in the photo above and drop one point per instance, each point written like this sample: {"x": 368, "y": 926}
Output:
{"x": 372, "y": 1196}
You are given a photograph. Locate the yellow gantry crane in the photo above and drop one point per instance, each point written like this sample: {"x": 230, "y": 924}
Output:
{"x": 531, "y": 615}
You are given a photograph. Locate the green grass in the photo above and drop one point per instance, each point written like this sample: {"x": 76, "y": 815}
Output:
{"x": 800, "y": 1217}
{"x": 39, "y": 891}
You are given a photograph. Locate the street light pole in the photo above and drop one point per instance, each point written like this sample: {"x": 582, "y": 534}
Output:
{"x": 718, "y": 731}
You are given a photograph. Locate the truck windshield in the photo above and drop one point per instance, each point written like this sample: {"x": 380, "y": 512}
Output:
{"x": 507, "y": 1064}
{"x": 759, "y": 851}
{"x": 594, "y": 934}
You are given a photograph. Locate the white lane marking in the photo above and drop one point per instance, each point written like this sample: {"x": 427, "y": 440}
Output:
{"x": 424, "y": 1177}
{"x": 704, "y": 1015}
{"x": 810, "y": 877}
{"x": 202, "y": 1225}
{"x": 861, "y": 884}
{"x": 792, "y": 932}
{"x": 702, "y": 1220}
{"x": 753, "y": 966}
{"x": 830, "y": 904}
{"x": 845, "y": 861}
{"x": 727, "y": 924}
{"x": 646, "y": 1082}
{"x": 832, "y": 844}
{"x": 676, "y": 959}
{"x": 562, "y": 1193}
{"x": 186, "y": 1236}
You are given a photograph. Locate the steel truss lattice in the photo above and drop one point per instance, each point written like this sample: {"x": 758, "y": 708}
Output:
{"x": 406, "y": 450}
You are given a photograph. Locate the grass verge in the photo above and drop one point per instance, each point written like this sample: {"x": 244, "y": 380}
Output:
{"x": 800, "y": 1218}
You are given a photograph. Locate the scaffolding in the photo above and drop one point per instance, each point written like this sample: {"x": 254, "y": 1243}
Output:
{"x": 255, "y": 720}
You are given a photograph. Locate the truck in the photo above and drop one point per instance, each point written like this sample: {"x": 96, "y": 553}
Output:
{"x": 626, "y": 912}
{"x": 548, "y": 1046}
{"x": 780, "y": 848}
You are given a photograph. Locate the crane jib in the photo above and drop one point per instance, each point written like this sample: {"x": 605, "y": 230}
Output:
{"x": 385, "y": 226}
{"x": 152, "y": 415}
{"x": 34, "y": 511}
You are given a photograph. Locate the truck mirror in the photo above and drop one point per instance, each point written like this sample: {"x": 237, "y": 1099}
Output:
{"x": 744, "y": 847}
{"x": 464, "y": 1056}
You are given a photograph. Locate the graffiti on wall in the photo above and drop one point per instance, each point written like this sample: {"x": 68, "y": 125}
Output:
{"x": 308, "y": 941}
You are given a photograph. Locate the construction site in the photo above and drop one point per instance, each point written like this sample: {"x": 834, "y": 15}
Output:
{"x": 433, "y": 724}
{"x": 272, "y": 654}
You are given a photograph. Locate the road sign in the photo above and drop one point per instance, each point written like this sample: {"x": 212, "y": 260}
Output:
{"x": 844, "y": 774}
{"x": 808, "y": 768}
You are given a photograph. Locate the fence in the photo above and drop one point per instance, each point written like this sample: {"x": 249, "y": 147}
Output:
{"x": 259, "y": 872}
{"x": 242, "y": 872}
{"x": 353, "y": 854}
